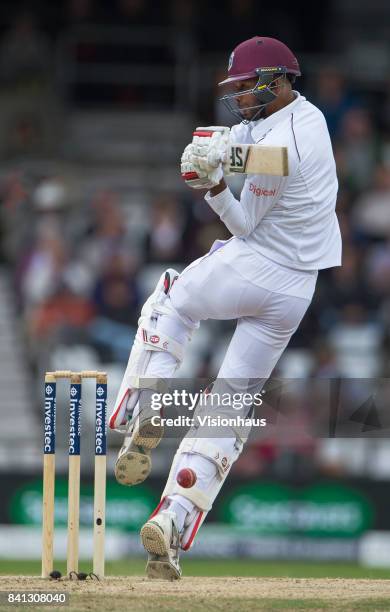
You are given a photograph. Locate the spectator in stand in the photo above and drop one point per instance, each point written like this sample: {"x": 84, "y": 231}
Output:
{"x": 371, "y": 213}
{"x": 360, "y": 147}
{"x": 377, "y": 269}
{"x": 164, "y": 243}
{"x": 358, "y": 343}
{"x": 116, "y": 301}
{"x": 107, "y": 234}
{"x": 326, "y": 365}
{"x": 42, "y": 268}
{"x": 333, "y": 98}
{"x": 61, "y": 314}
{"x": 336, "y": 290}
{"x": 378, "y": 278}
{"x": 116, "y": 294}
{"x": 348, "y": 283}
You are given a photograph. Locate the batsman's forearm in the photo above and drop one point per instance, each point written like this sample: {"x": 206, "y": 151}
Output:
{"x": 229, "y": 211}
{"x": 218, "y": 188}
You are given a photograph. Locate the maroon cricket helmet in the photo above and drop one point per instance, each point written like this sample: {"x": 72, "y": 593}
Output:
{"x": 259, "y": 52}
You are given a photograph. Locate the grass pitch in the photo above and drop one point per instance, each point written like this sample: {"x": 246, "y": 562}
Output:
{"x": 230, "y": 586}
{"x": 244, "y": 568}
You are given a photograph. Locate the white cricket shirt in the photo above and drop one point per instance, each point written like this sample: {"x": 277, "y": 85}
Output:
{"x": 289, "y": 220}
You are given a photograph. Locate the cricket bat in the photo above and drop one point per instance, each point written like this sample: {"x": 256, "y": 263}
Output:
{"x": 257, "y": 159}
{"x": 240, "y": 159}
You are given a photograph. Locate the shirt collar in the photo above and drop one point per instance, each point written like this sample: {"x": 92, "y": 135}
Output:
{"x": 260, "y": 128}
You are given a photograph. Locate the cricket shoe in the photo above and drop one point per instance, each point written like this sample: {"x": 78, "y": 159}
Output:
{"x": 161, "y": 539}
{"x": 144, "y": 433}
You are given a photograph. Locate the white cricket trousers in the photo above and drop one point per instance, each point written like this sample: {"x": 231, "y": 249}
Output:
{"x": 232, "y": 282}
{"x": 268, "y": 300}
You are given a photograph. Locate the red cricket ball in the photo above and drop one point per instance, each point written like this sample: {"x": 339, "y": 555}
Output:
{"x": 186, "y": 478}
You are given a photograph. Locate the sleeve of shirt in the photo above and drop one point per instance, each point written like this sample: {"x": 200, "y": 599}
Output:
{"x": 258, "y": 196}
{"x": 240, "y": 133}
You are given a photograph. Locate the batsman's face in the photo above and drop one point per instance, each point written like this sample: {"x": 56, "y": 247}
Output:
{"x": 247, "y": 99}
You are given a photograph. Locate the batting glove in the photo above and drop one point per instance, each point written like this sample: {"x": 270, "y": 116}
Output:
{"x": 210, "y": 146}
{"x": 194, "y": 176}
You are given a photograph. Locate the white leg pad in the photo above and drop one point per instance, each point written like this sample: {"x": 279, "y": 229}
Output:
{"x": 220, "y": 453}
{"x": 146, "y": 341}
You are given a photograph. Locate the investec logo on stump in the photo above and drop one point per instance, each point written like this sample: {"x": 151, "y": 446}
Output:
{"x": 100, "y": 422}
{"x": 50, "y": 420}
{"x": 74, "y": 423}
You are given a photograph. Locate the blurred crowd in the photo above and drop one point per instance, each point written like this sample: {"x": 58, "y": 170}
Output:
{"x": 82, "y": 274}
{"x": 82, "y": 269}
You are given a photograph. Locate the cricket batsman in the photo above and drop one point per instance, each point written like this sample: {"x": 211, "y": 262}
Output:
{"x": 284, "y": 230}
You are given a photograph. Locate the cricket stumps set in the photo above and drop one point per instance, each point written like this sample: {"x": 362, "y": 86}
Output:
{"x": 49, "y": 451}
